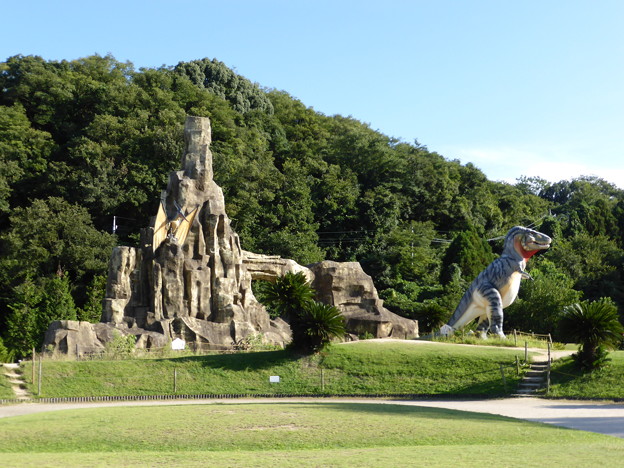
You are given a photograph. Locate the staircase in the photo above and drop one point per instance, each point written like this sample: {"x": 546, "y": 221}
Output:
{"x": 14, "y": 374}
{"x": 534, "y": 380}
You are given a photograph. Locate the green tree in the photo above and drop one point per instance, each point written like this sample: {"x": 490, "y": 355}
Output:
{"x": 593, "y": 262}
{"x": 218, "y": 79}
{"x": 57, "y": 303}
{"x": 34, "y": 306}
{"x": 92, "y": 309}
{"x": 470, "y": 252}
{"x": 293, "y": 234}
{"x": 53, "y": 235}
{"x": 22, "y": 329}
{"x": 541, "y": 302}
{"x": 24, "y": 154}
{"x": 411, "y": 254}
{"x": 596, "y": 327}
{"x": 5, "y": 354}
{"x": 49, "y": 238}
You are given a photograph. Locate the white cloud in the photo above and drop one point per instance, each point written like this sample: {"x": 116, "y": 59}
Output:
{"x": 552, "y": 164}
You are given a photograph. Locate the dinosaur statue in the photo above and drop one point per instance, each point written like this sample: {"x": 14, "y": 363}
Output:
{"x": 497, "y": 286}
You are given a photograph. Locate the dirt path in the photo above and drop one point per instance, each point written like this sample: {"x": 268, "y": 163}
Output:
{"x": 13, "y": 373}
{"x": 601, "y": 417}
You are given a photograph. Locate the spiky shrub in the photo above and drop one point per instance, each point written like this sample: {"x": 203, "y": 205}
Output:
{"x": 313, "y": 324}
{"x": 287, "y": 296}
{"x": 316, "y": 326}
{"x": 596, "y": 327}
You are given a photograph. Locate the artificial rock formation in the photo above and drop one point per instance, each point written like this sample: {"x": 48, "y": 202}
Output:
{"x": 199, "y": 287}
{"x": 346, "y": 286}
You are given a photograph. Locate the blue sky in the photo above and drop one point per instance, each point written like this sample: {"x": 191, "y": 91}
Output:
{"x": 530, "y": 88}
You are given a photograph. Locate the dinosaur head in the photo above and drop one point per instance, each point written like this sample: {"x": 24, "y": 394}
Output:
{"x": 525, "y": 242}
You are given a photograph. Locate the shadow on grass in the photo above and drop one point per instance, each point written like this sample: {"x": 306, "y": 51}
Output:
{"x": 390, "y": 409}
{"x": 241, "y": 361}
{"x": 565, "y": 371}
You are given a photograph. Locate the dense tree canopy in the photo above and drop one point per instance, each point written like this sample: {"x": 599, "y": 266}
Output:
{"x": 87, "y": 140}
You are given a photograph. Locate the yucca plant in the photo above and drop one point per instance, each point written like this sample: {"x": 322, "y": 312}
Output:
{"x": 316, "y": 326}
{"x": 313, "y": 324}
{"x": 596, "y": 327}
{"x": 288, "y": 295}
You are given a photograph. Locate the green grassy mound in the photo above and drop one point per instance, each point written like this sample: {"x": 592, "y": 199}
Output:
{"x": 294, "y": 434}
{"x": 606, "y": 383}
{"x": 356, "y": 368}
{"x": 5, "y": 387}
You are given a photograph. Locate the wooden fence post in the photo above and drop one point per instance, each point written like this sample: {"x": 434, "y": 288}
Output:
{"x": 34, "y": 357}
{"x": 502, "y": 370}
{"x": 40, "y": 369}
{"x": 548, "y": 372}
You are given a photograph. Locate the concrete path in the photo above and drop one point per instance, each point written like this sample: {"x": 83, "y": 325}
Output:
{"x": 601, "y": 417}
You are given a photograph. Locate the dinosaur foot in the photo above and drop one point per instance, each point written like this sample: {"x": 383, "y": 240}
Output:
{"x": 446, "y": 330}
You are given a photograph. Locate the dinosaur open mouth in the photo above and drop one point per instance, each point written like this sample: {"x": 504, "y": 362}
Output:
{"x": 533, "y": 244}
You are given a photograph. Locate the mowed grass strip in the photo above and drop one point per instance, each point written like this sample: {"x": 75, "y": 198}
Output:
{"x": 408, "y": 367}
{"x": 606, "y": 383}
{"x": 355, "y": 368}
{"x": 6, "y": 390}
{"x": 289, "y": 434}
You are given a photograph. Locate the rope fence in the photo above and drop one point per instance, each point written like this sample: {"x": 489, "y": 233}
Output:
{"x": 518, "y": 334}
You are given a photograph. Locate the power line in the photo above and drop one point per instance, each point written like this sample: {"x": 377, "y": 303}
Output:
{"x": 346, "y": 232}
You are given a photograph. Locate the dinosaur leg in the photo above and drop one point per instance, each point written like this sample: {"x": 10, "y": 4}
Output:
{"x": 494, "y": 310}
{"x": 483, "y": 327}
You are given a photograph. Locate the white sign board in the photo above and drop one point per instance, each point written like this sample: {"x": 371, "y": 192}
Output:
{"x": 178, "y": 344}
{"x": 274, "y": 379}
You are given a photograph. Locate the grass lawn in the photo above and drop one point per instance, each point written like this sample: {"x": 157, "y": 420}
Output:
{"x": 294, "y": 434}
{"x": 606, "y": 383}
{"x": 509, "y": 342}
{"x": 5, "y": 387}
{"x": 355, "y": 368}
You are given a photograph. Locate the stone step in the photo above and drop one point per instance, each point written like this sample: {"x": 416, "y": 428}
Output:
{"x": 529, "y": 386}
{"x": 534, "y": 380}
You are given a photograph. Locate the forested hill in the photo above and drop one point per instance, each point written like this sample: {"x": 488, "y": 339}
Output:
{"x": 84, "y": 141}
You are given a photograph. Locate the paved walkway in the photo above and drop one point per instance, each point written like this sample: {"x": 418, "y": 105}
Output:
{"x": 601, "y": 417}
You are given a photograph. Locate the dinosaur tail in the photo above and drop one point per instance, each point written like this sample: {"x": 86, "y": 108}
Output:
{"x": 461, "y": 308}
